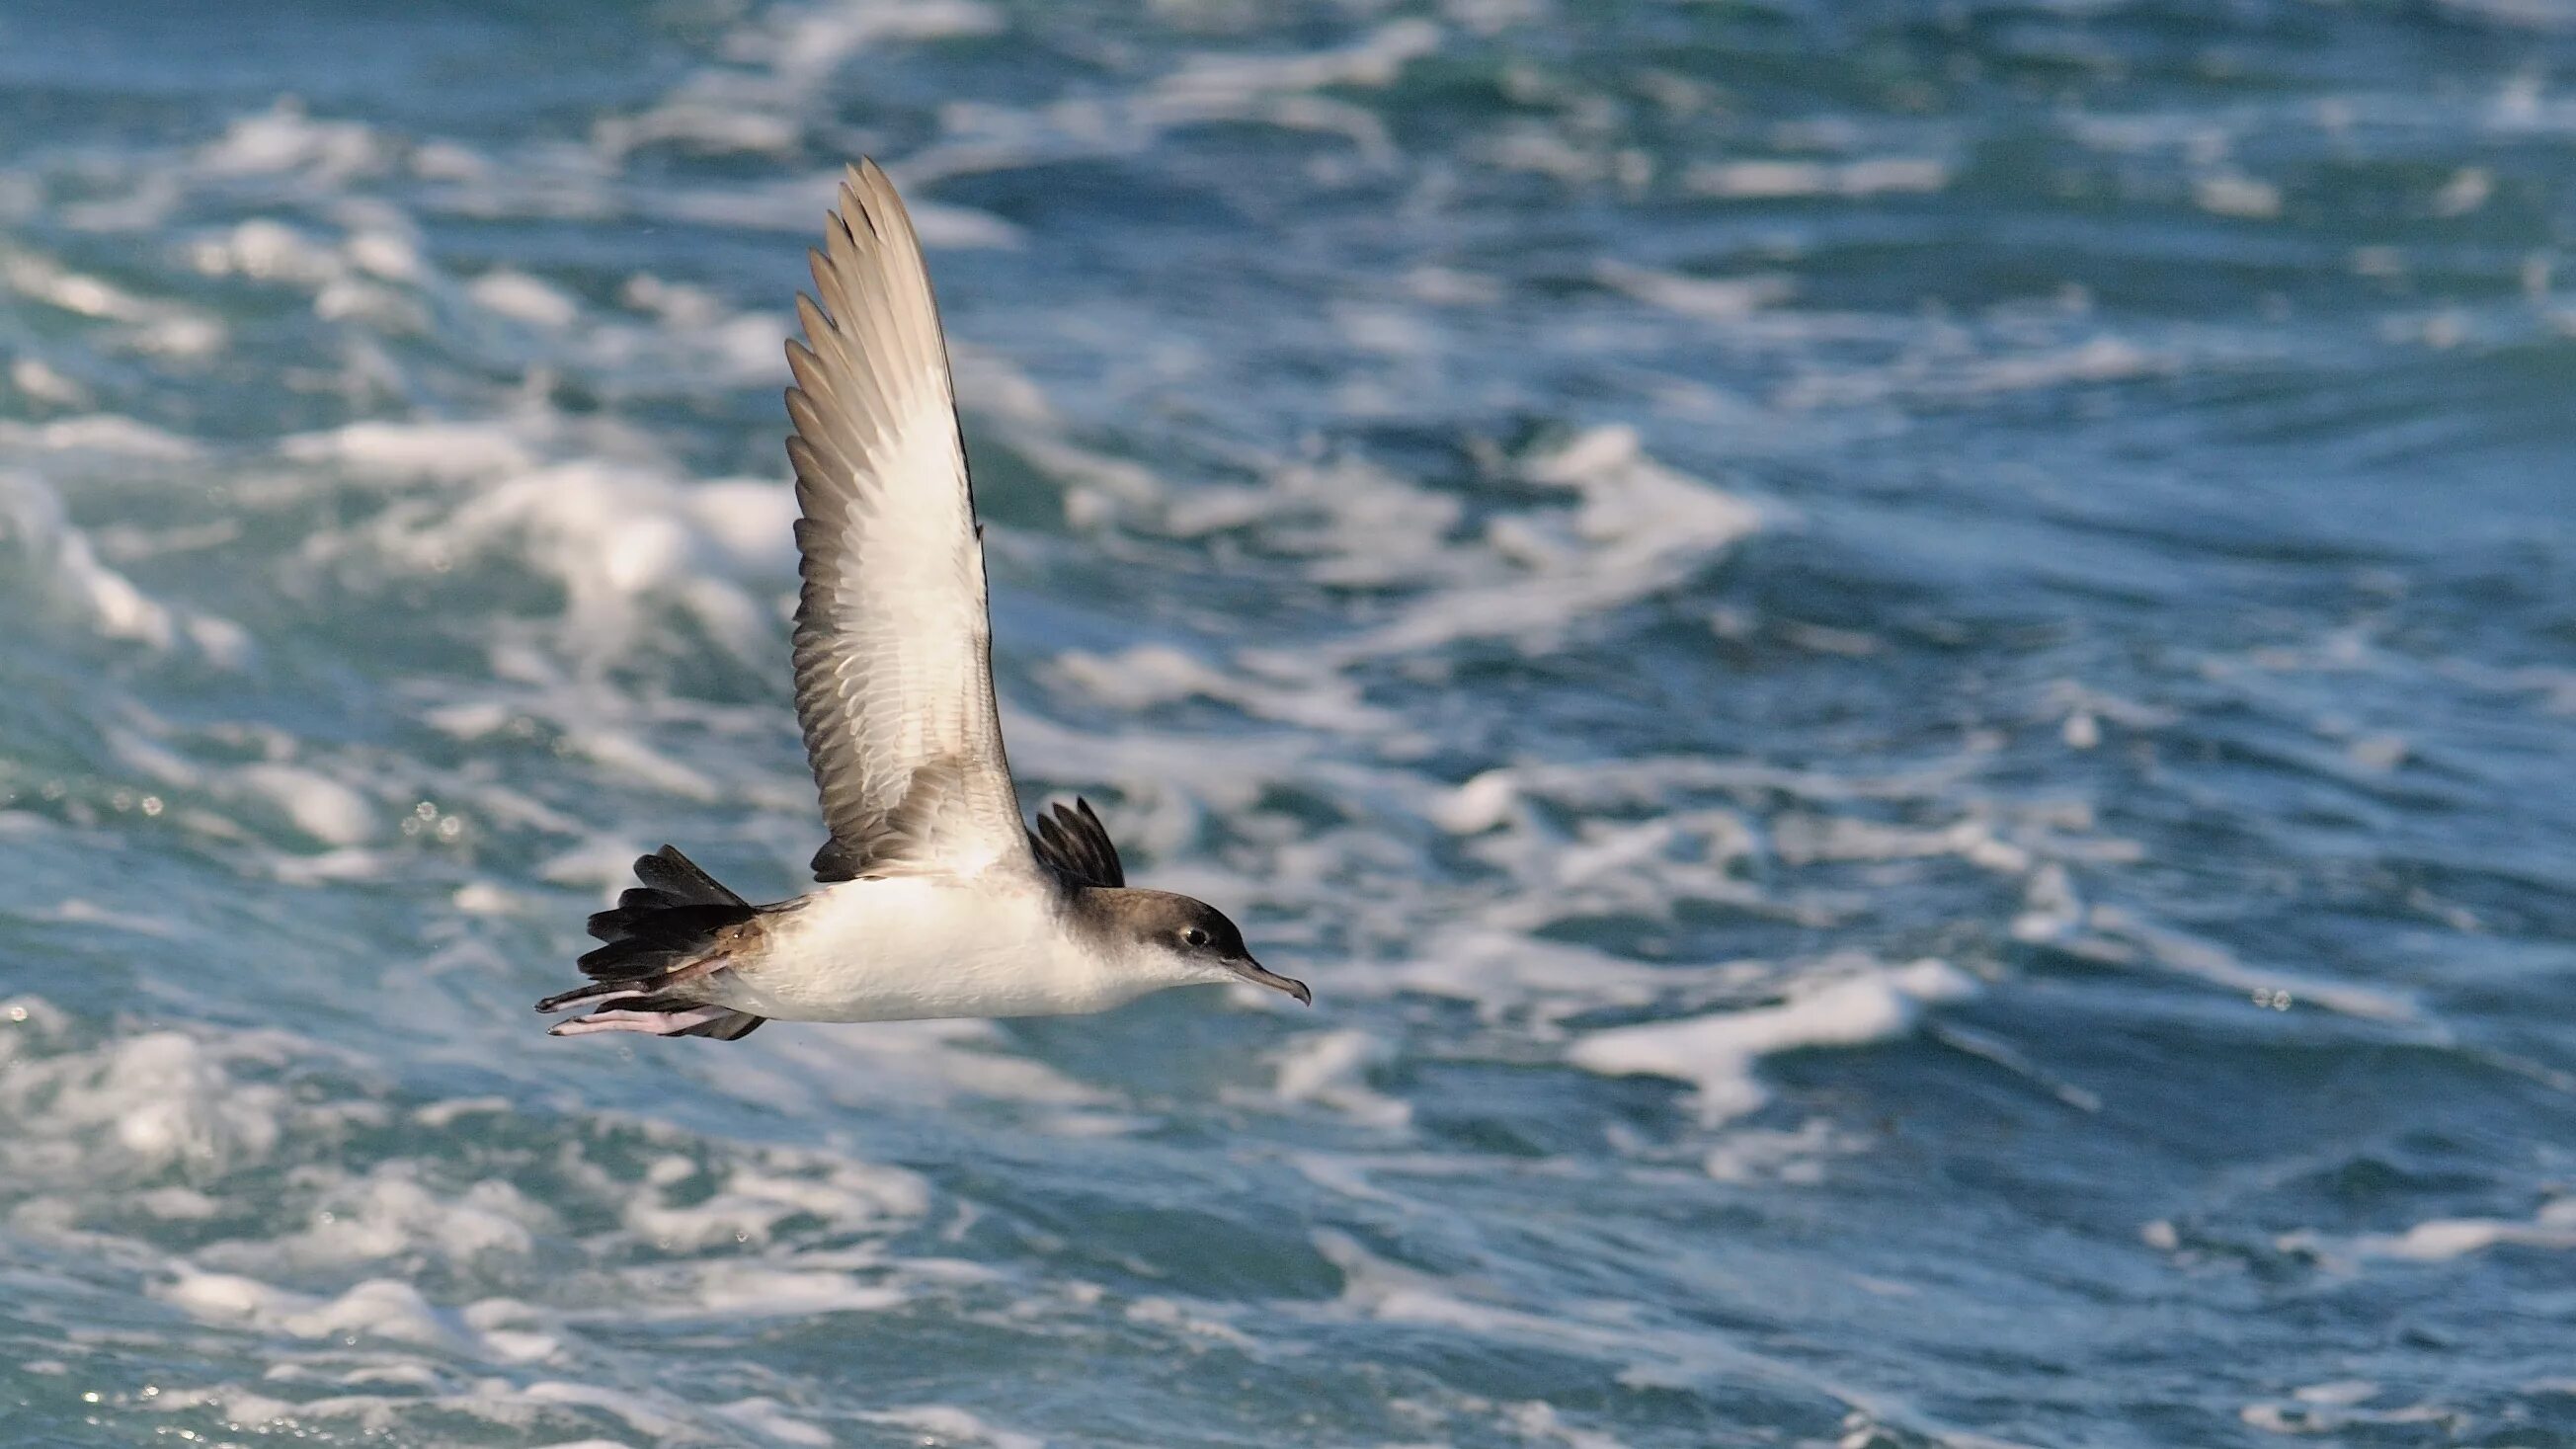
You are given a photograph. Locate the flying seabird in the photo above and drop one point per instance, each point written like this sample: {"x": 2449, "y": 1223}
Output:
{"x": 937, "y": 900}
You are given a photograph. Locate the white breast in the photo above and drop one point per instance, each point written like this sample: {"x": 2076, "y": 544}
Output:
{"x": 909, "y": 948}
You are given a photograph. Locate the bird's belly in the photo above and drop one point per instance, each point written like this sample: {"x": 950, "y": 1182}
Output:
{"x": 908, "y": 950}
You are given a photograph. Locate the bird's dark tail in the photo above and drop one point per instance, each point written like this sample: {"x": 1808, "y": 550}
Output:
{"x": 666, "y": 931}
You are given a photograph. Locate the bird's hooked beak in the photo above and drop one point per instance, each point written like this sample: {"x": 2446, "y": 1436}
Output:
{"x": 1254, "y": 972}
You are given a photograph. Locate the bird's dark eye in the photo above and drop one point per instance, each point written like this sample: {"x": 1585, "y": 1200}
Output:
{"x": 1194, "y": 936}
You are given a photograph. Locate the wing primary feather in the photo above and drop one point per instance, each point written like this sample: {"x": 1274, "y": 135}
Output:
{"x": 893, "y": 643}
{"x": 1073, "y": 841}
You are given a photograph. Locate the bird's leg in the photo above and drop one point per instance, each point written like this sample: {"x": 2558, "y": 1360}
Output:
{"x": 649, "y": 1023}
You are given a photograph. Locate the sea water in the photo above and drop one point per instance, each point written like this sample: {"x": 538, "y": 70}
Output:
{"x": 1905, "y": 674}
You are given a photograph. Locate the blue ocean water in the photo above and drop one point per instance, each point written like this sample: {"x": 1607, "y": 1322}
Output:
{"x": 1906, "y": 674}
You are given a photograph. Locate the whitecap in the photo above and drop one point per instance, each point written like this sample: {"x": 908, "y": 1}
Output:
{"x": 1717, "y": 1053}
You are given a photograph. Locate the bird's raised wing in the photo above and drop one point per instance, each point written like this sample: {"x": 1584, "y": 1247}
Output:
{"x": 894, "y": 679}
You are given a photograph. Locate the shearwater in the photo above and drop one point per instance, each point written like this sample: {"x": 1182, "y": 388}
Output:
{"x": 937, "y": 900}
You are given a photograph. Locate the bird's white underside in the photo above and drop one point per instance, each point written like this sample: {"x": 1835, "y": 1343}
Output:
{"x": 910, "y": 948}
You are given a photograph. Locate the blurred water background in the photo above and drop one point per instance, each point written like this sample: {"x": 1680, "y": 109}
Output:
{"x": 1903, "y": 671}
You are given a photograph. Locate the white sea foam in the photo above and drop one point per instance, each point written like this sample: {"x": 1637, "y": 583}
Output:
{"x": 2338, "y": 1407}
{"x": 1145, "y": 675}
{"x": 390, "y": 1216}
{"x": 1541, "y": 1423}
{"x": 33, "y": 520}
{"x": 1774, "y": 180}
{"x": 320, "y": 806}
{"x": 133, "y": 1106}
{"x": 409, "y": 1391}
{"x": 2443, "y": 1240}
{"x": 770, "y": 1419}
{"x": 738, "y": 1291}
{"x": 946, "y": 1423}
{"x": 1797, "y": 1157}
{"x": 1635, "y": 526}
{"x": 1331, "y": 1068}
{"x": 2127, "y": 936}
{"x": 1717, "y": 1053}
{"x": 1710, "y": 299}
{"x": 824, "y": 1069}
{"x": 523, "y": 298}
{"x": 285, "y": 139}
{"x": 445, "y": 452}
{"x": 1378, "y": 1289}
{"x": 1373, "y": 60}
{"x": 752, "y": 1199}
{"x": 39, "y": 382}
{"x": 380, "y": 1308}
{"x": 762, "y": 102}
{"x": 2232, "y": 193}
{"x": 149, "y": 324}
{"x": 359, "y": 1324}
{"x": 623, "y": 540}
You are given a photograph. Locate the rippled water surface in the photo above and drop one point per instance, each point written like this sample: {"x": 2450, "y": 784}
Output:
{"x": 1905, "y": 674}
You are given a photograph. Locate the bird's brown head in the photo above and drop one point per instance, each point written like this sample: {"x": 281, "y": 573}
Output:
{"x": 1189, "y": 937}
